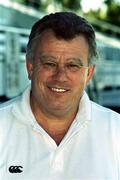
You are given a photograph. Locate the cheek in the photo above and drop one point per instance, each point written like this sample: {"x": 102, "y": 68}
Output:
{"x": 41, "y": 76}
{"x": 79, "y": 83}
{"x": 80, "y": 78}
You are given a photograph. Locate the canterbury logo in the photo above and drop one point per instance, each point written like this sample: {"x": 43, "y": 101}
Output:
{"x": 15, "y": 169}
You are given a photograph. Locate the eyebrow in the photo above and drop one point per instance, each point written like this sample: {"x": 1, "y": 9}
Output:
{"x": 45, "y": 58}
{"x": 78, "y": 61}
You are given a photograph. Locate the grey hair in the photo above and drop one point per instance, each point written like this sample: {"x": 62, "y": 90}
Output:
{"x": 65, "y": 25}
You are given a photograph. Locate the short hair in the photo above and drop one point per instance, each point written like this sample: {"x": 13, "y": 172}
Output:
{"x": 65, "y": 25}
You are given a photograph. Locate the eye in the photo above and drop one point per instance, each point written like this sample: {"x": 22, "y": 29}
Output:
{"x": 50, "y": 65}
{"x": 73, "y": 67}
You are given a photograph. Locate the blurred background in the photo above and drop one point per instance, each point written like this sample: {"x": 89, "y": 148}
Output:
{"x": 16, "y": 19}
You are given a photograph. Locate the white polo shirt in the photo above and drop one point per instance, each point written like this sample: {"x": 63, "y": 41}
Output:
{"x": 89, "y": 151}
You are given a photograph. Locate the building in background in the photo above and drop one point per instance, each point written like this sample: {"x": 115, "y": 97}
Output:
{"x": 15, "y": 23}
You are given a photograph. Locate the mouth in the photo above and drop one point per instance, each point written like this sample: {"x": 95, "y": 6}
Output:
{"x": 58, "y": 90}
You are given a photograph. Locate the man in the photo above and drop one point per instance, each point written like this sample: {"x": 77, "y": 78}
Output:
{"x": 53, "y": 131}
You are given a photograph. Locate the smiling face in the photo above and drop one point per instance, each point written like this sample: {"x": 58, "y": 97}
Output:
{"x": 59, "y": 74}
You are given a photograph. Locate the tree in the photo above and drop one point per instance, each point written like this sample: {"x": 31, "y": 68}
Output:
{"x": 70, "y": 4}
{"x": 33, "y": 3}
{"x": 113, "y": 13}
{"x": 108, "y": 2}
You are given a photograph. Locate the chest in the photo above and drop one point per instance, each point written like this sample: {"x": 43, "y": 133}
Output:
{"x": 81, "y": 156}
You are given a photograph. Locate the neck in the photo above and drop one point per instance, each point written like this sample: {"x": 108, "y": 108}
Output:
{"x": 55, "y": 126}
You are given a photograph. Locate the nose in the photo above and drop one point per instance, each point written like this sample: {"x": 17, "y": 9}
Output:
{"x": 60, "y": 74}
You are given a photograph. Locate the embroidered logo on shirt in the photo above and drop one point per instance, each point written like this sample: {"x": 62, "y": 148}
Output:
{"x": 15, "y": 169}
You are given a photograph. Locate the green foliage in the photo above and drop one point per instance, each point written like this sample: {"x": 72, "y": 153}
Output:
{"x": 18, "y": 1}
{"x": 70, "y": 4}
{"x": 108, "y": 2}
{"x": 113, "y": 14}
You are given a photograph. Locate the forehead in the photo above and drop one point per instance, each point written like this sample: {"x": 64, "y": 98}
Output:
{"x": 48, "y": 43}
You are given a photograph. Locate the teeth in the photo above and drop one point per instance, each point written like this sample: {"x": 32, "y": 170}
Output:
{"x": 58, "y": 90}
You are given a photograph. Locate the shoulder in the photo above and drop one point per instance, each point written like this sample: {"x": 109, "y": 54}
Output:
{"x": 104, "y": 113}
{"x": 6, "y": 113}
{"x": 7, "y": 106}
{"x": 106, "y": 121}
{"x": 8, "y": 120}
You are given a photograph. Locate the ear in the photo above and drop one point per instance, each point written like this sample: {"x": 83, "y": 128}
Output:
{"x": 90, "y": 73}
{"x": 29, "y": 67}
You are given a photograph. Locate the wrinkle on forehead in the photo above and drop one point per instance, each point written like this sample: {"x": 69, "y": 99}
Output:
{"x": 77, "y": 47}
{"x": 44, "y": 58}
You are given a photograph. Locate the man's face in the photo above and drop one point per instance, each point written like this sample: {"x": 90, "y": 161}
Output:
{"x": 57, "y": 73}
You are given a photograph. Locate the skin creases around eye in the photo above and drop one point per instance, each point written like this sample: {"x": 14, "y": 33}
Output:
{"x": 47, "y": 62}
{"x": 67, "y": 67}
{"x": 49, "y": 65}
{"x": 73, "y": 66}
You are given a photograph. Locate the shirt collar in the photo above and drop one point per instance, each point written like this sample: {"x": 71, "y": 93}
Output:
{"x": 23, "y": 108}
{"x": 84, "y": 110}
